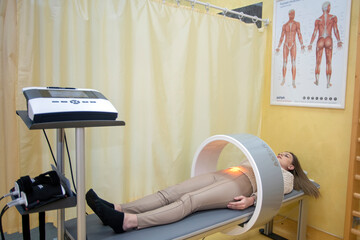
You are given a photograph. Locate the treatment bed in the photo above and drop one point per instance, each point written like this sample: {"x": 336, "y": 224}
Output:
{"x": 233, "y": 222}
{"x": 195, "y": 226}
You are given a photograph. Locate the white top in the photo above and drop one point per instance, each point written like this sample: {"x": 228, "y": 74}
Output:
{"x": 287, "y": 176}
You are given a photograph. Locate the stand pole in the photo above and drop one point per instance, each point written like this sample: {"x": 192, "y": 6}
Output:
{"x": 302, "y": 221}
{"x": 61, "y": 169}
{"x": 80, "y": 179}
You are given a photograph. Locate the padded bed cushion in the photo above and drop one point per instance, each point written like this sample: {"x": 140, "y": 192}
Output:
{"x": 192, "y": 225}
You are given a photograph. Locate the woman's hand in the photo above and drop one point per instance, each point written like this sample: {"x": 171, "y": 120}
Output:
{"x": 241, "y": 202}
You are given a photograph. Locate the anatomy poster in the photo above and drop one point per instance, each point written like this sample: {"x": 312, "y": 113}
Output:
{"x": 309, "y": 52}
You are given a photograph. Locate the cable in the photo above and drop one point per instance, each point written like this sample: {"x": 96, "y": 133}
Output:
{"x": 52, "y": 154}
{"x": 6, "y": 207}
{"x": 9, "y": 194}
{"x": 6, "y": 195}
{"x": 71, "y": 170}
{"x": 67, "y": 149}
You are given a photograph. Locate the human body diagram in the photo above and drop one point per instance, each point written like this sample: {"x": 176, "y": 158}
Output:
{"x": 289, "y": 30}
{"x": 325, "y": 25}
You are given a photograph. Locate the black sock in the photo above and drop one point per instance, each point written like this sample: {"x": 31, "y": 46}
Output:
{"x": 92, "y": 205}
{"x": 91, "y": 195}
{"x": 110, "y": 216}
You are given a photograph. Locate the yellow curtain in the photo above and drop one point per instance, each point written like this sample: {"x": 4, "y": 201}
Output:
{"x": 176, "y": 76}
{"x": 9, "y": 141}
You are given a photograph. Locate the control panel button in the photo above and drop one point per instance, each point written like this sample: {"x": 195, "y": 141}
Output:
{"x": 75, "y": 101}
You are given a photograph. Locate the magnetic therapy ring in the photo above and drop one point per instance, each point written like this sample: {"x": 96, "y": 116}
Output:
{"x": 266, "y": 167}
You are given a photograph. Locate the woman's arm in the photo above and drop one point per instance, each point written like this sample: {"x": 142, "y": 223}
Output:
{"x": 242, "y": 202}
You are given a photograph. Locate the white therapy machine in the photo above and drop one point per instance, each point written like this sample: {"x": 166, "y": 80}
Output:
{"x": 55, "y": 104}
{"x": 270, "y": 188}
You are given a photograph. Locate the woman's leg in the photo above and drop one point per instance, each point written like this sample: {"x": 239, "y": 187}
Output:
{"x": 170, "y": 194}
{"x": 216, "y": 195}
{"x": 159, "y": 199}
{"x": 124, "y": 218}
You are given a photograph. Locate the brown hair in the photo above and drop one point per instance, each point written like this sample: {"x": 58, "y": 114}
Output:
{"x": 301, "y": 181}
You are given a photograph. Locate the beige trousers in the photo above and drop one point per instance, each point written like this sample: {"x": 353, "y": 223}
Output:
{"x": 208, "y": 191}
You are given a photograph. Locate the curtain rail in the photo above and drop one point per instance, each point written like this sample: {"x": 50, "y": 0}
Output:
{"x": 225, "y": 11}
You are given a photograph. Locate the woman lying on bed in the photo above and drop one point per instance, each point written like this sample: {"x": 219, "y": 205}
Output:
{"x": 233, "y": 188}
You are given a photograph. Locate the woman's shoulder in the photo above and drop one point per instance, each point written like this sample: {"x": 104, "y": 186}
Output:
{"x": 287, "y": 173}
